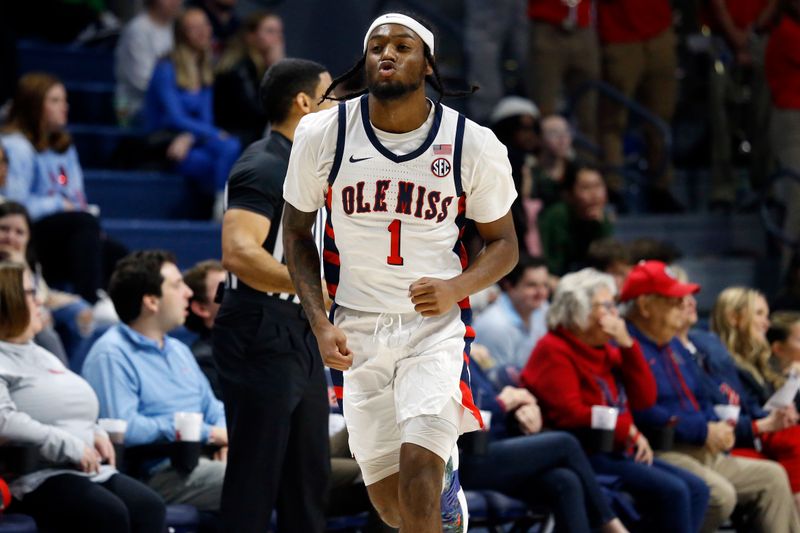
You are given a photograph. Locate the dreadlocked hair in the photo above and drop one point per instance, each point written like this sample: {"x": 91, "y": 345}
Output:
{"x": 356, "y": 73}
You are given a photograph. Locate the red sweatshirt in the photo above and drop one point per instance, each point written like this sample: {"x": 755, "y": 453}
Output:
{"x": 565, "y": 374}
{"x": 627, "y": 21}
{"x": 556, "y": 12}
{"x": 783, "y": 64}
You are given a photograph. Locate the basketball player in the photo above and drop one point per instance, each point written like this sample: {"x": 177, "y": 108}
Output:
{"x": 399, "y": 174}
{"x": 273, "y": 381}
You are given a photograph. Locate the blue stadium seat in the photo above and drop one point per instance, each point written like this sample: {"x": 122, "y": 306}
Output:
{"x": 181, "y": 519}
{"x": 503, "y": 509}
{"x": 141, "y": 195}
{"x": 99, "y": 146}
{"x": 190, "y": 241}
{"x": 478, "y": 508}
{"x": 17, "y": 523}
{"x": 68, "y": 63}
{"x": 91, "y": 102}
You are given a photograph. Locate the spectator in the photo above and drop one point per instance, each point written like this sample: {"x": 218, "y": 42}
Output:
{"x": 43, "y": 404}
{"x": 783, "y": 336}
{"x": 741, "y": 29}
{"x": 759, "y": 433}
{"x": 568, "y": 228}
{"x": 515, "y": 121}
{"x": 490, "y": 28}
{"x": 71, "y": 315}
{"x": 512, "y": 325}
{"x": 576, "y": 366}
{"x": 204, "y": 279}
{"x": 44, "y": 175}
{"x": 655, "y": 316}
{"x": 144, "y": 40}
{"x": 639, "y": 59}
{"x": 537, "y": 467}
{"x": 224, "y": 21}
{"x": 179, "y": 99}
{"x": 563, "y": 54}
{"x": 555, "y": 156}
{"x": 142, "y": 375}
{"x": 741, "y": 319}
{"x": 612, "y": 257}
{"x": 650, "y": 249}
{"x": 782, "y": 67}
{"x": 237, "y": 104}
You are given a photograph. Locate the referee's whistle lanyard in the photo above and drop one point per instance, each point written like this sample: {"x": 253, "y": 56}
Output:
{"x": 621, "y": 401}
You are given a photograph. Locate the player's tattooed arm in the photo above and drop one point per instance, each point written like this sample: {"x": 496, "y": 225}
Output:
{"x": 302, "y": 258}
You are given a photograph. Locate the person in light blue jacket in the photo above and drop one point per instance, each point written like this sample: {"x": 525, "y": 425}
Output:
{"x": 144, "y": 376}
{"x": 45, "y": 175}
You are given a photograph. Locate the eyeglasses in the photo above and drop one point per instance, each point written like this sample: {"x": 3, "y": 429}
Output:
{"x": 607, "y": 306}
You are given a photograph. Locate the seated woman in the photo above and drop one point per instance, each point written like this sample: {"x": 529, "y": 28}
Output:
{"x": 588, "y": 358}
{"x": 179, "y": 101}
{"x": 237, "y": 105}
{"x": 45, "y": 175}
{"x": 75, "y": 320}
{"x": 740, "y": 318}
{"x": 44, "y": 404}
{"x": 538, "y": 468}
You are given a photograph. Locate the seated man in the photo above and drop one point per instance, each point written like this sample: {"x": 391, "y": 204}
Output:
{"x": 655, "y": 317}
{"x": 514, "y": 323}
{"x": 204, "y": 279}
{"x": 144, "y": 376}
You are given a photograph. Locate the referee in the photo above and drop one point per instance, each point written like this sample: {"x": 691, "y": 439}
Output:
{"x": 272, "y": 376}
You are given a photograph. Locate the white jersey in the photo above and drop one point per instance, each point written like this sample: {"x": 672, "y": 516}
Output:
{"x": 396, "y": 203}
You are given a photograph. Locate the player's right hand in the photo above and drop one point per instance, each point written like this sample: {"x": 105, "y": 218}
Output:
{"x": 333, "y": 348}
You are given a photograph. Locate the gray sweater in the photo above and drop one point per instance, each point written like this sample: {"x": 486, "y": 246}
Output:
{"x": 44, "y": 403}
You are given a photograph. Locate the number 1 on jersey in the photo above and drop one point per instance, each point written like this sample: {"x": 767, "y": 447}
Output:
{"x": 394, "y": 247}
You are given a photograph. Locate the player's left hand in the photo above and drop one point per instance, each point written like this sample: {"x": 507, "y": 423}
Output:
{"x": 432, "y": 297}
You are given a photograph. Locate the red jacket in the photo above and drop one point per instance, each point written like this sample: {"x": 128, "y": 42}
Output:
{"x": 556, "y": 11}
{"x": 565, "y": 375}
{"x": 627, "y": 21}
{"x": 783, "y": 64}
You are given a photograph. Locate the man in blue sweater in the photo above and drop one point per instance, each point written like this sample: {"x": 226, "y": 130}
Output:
{"x": 655, "y": 316}
{"x": 143, "y": 376}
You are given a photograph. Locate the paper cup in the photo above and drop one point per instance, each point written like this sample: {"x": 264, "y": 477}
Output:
{"x": 604, "y": 417}
{"x": 727, "y": 413}
{"x": 188, "y": 426}
{"x": 115, "y": 427}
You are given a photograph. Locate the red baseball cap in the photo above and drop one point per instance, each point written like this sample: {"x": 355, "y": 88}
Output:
{"x": 654, "y": 277}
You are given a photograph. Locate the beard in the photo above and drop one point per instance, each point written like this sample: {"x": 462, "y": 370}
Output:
{"x": 391, "y": 90}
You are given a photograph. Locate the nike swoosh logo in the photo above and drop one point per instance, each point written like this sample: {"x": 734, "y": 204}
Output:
{"x": 354, "y": 160}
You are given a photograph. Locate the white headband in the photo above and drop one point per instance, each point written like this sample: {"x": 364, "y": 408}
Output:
{"x": 404, "y": 20}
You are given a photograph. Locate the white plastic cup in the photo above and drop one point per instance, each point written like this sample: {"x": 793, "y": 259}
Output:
{"x": 728, "y": 413}
{"x": 188, "y": 426}
{"x": 604, "y": 417}
{"x": 115, "y": 427}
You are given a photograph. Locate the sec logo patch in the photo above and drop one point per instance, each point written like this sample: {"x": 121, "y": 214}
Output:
{"x": 440, "y": 167}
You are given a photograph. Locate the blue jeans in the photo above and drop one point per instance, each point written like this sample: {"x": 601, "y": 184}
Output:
{"x": 669, "y": 498}
{"x": 549, "y": 468}
{"x": 209, "y": 162}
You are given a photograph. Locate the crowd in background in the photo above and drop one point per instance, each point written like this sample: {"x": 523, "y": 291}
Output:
{"x": 583, "y": 320}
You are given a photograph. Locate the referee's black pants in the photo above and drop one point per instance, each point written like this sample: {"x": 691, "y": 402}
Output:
{"x": 276, "y": 407}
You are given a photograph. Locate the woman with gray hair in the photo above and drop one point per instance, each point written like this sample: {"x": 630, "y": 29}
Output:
{"x": 588, "y": 359}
